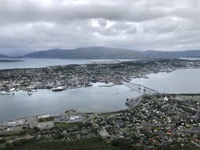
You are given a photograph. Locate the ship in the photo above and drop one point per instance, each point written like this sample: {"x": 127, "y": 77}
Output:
{"x": 12, "y": 90}
{"x": 58, "y": 88}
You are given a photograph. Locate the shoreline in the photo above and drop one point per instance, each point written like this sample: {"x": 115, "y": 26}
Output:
{"x": 129, "y": 106}
{"x": 143, "y": 70}
{"x": 143, "y": 76}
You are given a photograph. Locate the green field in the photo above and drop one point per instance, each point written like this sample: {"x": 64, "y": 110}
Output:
{"x": 2, "y": 146}
{"x": 67, "y": 125}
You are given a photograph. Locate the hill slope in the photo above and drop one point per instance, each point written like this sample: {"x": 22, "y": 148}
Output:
{"x": 87, "y": 53}
{"x": 3, "y": 56}
{"x": 173, "y": 54}
{"x": 110, "y": 53}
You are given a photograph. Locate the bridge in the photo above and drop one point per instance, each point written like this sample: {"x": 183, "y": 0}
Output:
{"x": 140, "y": 88}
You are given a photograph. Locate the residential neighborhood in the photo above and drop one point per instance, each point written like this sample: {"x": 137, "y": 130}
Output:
{"x": 76, "y": 76}
{"x": 154, "y": 121}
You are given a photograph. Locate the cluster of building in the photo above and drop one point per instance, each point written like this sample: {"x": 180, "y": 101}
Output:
{"x": 153, "y": 121}
{"x": 72, "y": 76}
{"x": 16, "y": 129}
{"x": 156, "y": 121}
{"x": 150, "y": 121}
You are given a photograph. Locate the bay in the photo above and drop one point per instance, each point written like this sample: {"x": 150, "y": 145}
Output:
{"x": 95, "y": 98}
{"x": 90, "y": 99}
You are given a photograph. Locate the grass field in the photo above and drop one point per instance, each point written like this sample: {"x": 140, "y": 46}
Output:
{"x": 2, "y": 146}
{"x": 67, "y": 125}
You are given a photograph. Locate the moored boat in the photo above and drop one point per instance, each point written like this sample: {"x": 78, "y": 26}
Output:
{"x": 59, "y": 88}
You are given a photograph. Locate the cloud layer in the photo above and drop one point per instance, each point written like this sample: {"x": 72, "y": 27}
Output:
{"x": 30, "y": 25}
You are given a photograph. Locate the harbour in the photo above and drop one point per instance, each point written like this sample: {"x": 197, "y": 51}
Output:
{"x": 44, "y": 101}
{"x": 91, "y": 99}
{"x": 30, "y": 92}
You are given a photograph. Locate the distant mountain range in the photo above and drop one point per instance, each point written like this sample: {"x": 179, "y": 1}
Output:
{"x": 107, "y": 53}
{"x": 87, "y": 53}
{"x": 172, "y": 54}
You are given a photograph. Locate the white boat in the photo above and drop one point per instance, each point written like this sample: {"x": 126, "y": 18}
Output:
{"x": 59, "y": 88}
{"x": 12, "y": 89}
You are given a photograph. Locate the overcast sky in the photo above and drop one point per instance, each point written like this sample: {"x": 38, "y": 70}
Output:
{"x": 32, "y": 25}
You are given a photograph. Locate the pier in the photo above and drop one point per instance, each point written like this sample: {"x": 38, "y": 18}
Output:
{"x": 140, "y": 88}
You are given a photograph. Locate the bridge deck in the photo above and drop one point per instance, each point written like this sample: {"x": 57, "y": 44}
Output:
{"x": 139, "y": 86}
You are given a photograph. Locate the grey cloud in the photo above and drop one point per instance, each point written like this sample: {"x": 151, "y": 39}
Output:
{"x": 29, "y": 11}
{"x": 29, "y": 25}
{"x": 102, "y": 22}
